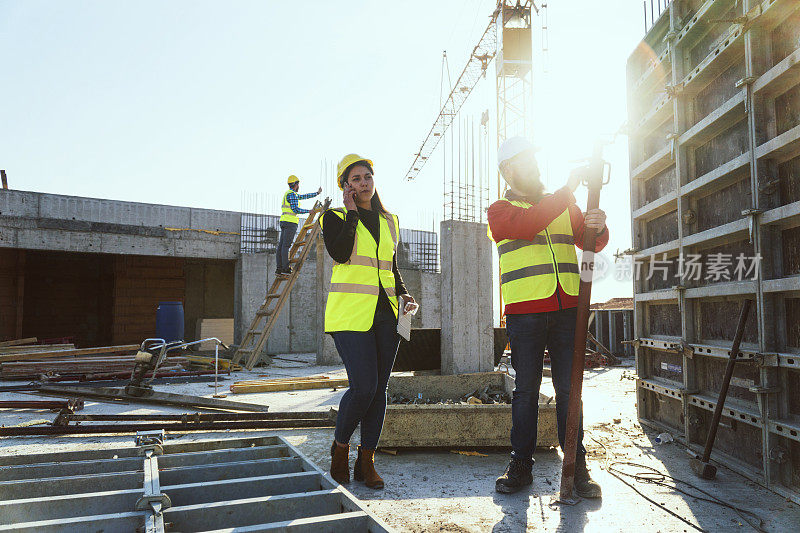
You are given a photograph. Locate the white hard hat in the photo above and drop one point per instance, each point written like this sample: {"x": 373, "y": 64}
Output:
{"x": 511, "y": 147}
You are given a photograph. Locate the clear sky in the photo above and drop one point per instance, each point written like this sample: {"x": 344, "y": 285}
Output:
{"x": 196, "y": 102}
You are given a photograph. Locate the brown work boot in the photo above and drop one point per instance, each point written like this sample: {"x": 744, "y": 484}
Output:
{"x": 340, "y": 463}
{"x": 364, "y": 469}
{"x": 585, "y": 486}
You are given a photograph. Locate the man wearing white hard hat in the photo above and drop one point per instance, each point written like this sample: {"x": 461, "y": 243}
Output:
{"x": 536, "y": 235}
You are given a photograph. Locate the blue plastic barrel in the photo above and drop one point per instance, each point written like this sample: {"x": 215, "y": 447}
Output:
{"x": 169, "y": 321}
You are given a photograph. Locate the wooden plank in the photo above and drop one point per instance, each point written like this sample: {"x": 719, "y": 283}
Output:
{"x": 68, "y": 353}
{"x": 17, "y": 342}
{"x": 37, "y": 348}
{"x": 296, "y": 385}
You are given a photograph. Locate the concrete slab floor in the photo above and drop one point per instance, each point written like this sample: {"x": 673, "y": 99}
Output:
{"x": 438, "y": 490}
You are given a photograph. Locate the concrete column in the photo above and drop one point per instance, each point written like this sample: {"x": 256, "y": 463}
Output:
{"x": 466, "y": 298}
{"x": 249, "y": 292}
{"x": 326, "y": 350}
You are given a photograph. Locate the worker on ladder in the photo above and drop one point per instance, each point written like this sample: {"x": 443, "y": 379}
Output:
{"x": 361, "y": 313}
{"x": 290, "y": 208}
{"x": 536, "y": 235}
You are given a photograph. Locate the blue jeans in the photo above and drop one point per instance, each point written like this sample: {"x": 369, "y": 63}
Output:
{"x": 368, "y": 357}
{"x": 529, "y": 334}
{"x": 288, "y": 229}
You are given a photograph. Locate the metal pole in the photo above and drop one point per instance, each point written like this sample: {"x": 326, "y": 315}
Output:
{"x": 216, "y": 367}
{"x": 595, "y": 183}
{"x": 723, "y": 393}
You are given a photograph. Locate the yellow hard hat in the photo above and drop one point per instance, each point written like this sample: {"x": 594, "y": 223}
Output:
{"x": 292, "y": 179}
{"x": 346, "y": 161}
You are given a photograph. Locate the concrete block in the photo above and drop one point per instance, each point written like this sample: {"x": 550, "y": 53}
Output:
{"x": 19, "y": 204}
{"x": 449, "y": 425}
{"x": 466, "y": 298}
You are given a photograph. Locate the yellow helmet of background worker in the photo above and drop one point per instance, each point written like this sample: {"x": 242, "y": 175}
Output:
{"x": 346, "y": 161}
{"x": 292, "y": 179}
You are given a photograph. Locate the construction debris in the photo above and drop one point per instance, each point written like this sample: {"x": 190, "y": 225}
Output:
{"x": 487, "y": 395}
{"x": 77, "y": 368}
{"x": 49, "y": 352}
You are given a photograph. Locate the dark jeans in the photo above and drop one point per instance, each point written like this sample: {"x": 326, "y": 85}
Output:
{"x": 529, "y": 334}
{"x": 288, "y": 229}
{"x": 368, "y": 358}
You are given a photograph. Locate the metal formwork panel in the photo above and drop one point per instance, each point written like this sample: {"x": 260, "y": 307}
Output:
{"x": 251, "y": 484}
{"x": 714, "y": 116}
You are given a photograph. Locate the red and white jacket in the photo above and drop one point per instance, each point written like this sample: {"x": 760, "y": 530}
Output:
{"x": 507, "y": 221}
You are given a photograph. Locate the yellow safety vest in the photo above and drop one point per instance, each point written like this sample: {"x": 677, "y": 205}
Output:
{"x": 530, "y": 270}
{"x": 287, "y": 215}
{"x": 356, "y": 284}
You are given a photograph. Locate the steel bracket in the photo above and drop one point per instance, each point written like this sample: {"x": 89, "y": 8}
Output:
{"x": 673, "y": 89}
{"x": 635, "y": 342}
{"x": 752, "y": 213}
{"x": 151, "y": 441}
{"x": 747, "y": 80}
{"x": 766, "y": 359}
{"x": 145, "y": 503}
{"x": 764, "y": 390}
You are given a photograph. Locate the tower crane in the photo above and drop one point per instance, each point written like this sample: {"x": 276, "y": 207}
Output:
{"x": 507, "y": 40}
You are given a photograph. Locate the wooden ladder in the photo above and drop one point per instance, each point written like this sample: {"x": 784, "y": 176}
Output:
{"x": 267, "y": 315}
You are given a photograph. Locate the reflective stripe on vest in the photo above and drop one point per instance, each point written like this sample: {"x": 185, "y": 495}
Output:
{"x": 356, "y": 284}
{"x": 529, "y": 270}
{"x": 287, "y": 215}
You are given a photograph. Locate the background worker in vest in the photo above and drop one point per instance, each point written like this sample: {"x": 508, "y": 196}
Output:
{"x": 361, "y": 313}
{"x": 536, "y": 235}
{"x": 290, "y": 208}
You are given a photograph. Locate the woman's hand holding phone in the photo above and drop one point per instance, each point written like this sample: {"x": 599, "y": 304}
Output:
{"x": 349, "y": 197}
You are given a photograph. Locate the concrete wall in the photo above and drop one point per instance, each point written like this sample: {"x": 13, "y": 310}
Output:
{"x": 39, "y": 221}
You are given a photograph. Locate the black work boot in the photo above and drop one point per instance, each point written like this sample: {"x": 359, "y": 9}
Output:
{"x": 518, "y": 474}
{"x": 585, "y": 486}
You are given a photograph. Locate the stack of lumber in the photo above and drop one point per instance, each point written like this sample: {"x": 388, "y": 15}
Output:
{"x": 287, "y": 384}
{"x": 37, "y": 361}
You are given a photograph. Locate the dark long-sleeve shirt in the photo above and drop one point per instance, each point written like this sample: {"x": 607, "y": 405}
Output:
{"x": 340, "y": 236}
{"x": 507, "y": 221}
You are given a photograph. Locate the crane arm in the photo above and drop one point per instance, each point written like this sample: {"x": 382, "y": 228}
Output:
{"x": 479, "y": 60}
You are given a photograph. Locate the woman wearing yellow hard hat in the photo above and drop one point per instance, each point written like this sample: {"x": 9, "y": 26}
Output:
{"x": 361, "y": 314}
